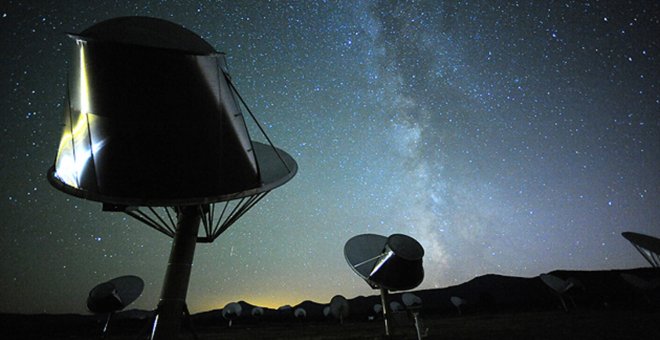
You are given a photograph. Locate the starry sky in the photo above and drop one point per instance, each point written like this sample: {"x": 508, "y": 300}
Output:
{"x": 512, "y": 137}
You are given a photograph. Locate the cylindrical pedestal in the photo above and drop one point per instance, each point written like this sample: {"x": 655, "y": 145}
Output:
{"x": 383, "y": 301}
{"x": 173, "y": 296}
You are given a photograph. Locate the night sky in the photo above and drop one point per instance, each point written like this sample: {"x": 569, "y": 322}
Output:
{"x": 508, "y": 138}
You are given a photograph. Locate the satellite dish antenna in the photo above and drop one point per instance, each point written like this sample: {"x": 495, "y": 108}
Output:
{"x": 114, "y": 295}
{"x": 457, "y": 302}
{"x": 411, "y": 300}
{"x": 154, "y": 127}
{"x": 414, "y": 304}
{"x": 386, "y": 263}
{"x": 339, "y": 308}
{"x": 395, "y": 306}
{"x": 326, "y": 311}
{"x": 558, "y": 285}
{"x": 647, "y": 246}
{"x": 300, "y": 313}
{"x": 257, "y": 312}
{"x": 378, "y": 308}
{"x": 642, "y": 285}
{"x": 231, "y": 312}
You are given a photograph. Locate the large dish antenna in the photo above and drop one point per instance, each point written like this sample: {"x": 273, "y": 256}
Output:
{"x": 386, "y": 263}
{"x": 154, "y": 128}
{"x": 647, "y": 246}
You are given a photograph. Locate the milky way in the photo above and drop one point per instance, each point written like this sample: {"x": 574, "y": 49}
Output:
{"x": 509, "y": 138}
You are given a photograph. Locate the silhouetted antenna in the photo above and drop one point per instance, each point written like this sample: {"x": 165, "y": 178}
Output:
{"x": 300, "y": 313}
{"x": 457, "y": 302}
{"x": 396, "y": 306}
{"x": 642, "y": 285}
{"x": 647, "y": 246}
{"x": 154, "y": 129}
{"x": 231, "y": 312}
{"x": 413, "y": 304}
{"x": 114, "y": 295}
{"x": 257, "y": 312}
{"x": 386, "y": 263}
{"x": 339, "y": 308}
{"x": 558, "y": 285}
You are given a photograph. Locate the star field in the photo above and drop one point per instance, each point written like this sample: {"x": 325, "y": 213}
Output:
{"x": 507, "y": 137}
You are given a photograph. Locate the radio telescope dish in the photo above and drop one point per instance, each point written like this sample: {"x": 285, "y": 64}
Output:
{"x": 300, "y": 313}
{"x": 155, "y": 128}
{"x": 647, "y": 246}
{"x": 639, "y": 283}
{"x": 393, "y": 263}
{"x": 457, "y": 302}
{"x": 339, "y": 308}
{"x": 114, "y": 295}
{"x": 257, "y": 312}
{"x": 231, "y": 312}
{"x": 411, "y": 300}
{"x": 558, "y": 285}
{"x": 386, "y": 263}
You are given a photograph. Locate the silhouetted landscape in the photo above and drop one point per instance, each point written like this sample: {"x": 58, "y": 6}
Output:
{"x": 601, "y": 305}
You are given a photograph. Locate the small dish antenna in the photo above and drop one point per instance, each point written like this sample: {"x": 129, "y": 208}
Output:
{"x": 326, "y": 311}
{"x": 411, "y": 300}
{"x": 114, "y": 295}
{"x": 396, "y": 306}
{"x": 154, "y": 127}
{"x": 339, "y": 308}
{"x": 386, "y": 263}
{"x": 378, "y": 308}
{"x": 414, "y": 304}
{"x": 257, "y": 312}
{"x": 231, "y": 312}
{"x": 558, "y": 286}
{"x": 647, "y": 246}
{"x": 457, "y": 302}
{"x": 300, "y": 313}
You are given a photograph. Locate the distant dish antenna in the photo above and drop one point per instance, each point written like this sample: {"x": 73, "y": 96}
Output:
{"x": 457, "y": 302}
{"x": 257, "y": 312}
{"x": 413, "y": 304}
{"x": 378, "y": 308}
{"x": 154, "y": 127}
{"x": 326, "y": 311}
{"x": 639, "y": 282}
{"x": 231, "y": 312}
{"x": 339, "y": 308}
{"x": 648, "y": 246}
{"x": 114, "y": 295}
{"x": 300, "y": 313}
{"x": 411, "y": 300}
{"x": 396, "y": 306}
{"x": 559, "y": 286}
{"x": 386, "y": 263}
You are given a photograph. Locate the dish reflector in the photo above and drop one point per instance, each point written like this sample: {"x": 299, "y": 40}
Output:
{"x": 647, "y": 246}
{"x": 152, "y": 119}
{"x": 393, "y": 263}
{"x": 114, "y": 295}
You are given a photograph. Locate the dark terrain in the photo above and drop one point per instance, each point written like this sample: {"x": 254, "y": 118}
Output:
{"x": 604, "y": 306}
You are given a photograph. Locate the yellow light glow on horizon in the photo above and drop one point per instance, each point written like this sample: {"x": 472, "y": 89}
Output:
{"x": 272, "y": 302}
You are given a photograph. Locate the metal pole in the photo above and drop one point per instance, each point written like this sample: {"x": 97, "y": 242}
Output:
{"x": 173, "y": 296}
{"x": 383, "y": 301}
